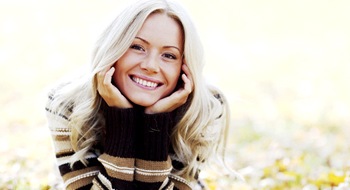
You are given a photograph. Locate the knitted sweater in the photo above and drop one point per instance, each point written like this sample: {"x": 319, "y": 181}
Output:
{"x": 135, "y": 152}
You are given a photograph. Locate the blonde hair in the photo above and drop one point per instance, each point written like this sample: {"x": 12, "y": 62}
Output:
{"x": 198, "y": 134}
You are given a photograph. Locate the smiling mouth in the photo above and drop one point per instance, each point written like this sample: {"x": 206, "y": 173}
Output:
{"x": 145, "y": 83}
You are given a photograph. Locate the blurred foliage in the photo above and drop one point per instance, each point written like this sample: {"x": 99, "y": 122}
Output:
{"x": 293, "y": 163}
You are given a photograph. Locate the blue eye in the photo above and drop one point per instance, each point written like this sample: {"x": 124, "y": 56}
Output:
{"x": 169, "y": 56}
{"x": 137, "y": 47}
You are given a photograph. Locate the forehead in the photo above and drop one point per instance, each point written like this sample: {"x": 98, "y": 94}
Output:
{"x": 162, "y": 28}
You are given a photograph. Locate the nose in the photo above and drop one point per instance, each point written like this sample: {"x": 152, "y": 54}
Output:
{"x": 151, "y": 63}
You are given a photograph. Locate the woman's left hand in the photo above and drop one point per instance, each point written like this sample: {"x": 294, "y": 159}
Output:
{"x": 177, "y": 98}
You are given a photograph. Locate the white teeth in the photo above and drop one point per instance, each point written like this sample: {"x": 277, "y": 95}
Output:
{"x": 144, "y": 82}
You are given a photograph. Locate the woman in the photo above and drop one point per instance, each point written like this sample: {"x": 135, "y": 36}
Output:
{"x": 143, "y": 118}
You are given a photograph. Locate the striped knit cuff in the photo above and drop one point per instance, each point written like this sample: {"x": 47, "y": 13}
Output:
{"x": 152, "y": 173}
{"x": 120, "y": 132}
{"x": 153, "y": 137}
{"x": 118, "y": 173}
{"x": 119, "y": 168}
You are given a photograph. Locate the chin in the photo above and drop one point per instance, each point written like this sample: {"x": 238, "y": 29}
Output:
{"x": 144, "y": 102}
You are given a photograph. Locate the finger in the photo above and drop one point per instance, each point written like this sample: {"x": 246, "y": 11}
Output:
{"x": 108, "y": 77}
{"x": 102, "y": 73}
{"x": 100, "y": 79}
{"x": 184, "y": 61}
{"x": 186, "y": 70}
{"x": 187, "y": 78}
{"x": 187, "y": 83}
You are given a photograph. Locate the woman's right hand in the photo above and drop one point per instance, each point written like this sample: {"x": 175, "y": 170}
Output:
{"x": 110, "y": 93}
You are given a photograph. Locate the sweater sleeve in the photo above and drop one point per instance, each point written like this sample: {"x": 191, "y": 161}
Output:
{"x": 112, "y": 169}
{"x": 119, "y": 148}
{"x": 153, "y": 164}
{"x": 79, "y": 175}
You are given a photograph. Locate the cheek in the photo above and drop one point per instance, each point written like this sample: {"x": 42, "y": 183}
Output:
{"x": 117, "y": 75}
{"x": 115, "y": 79}
{"x": 173, "y": 76}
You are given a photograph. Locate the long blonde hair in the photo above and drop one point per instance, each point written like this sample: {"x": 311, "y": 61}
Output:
{"x": 199, "y": 133}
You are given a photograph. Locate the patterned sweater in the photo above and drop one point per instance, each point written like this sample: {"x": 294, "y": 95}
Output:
{"x": 135, "y": 153}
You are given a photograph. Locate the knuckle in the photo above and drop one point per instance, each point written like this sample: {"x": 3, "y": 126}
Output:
{"x": 100, "y": 75}
{"x": 105, "y": 82}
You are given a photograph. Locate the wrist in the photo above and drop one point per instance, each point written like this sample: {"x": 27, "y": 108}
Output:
{"x": 119, "y": 104}
{"x": 120, "y": 131}
{"x": 153, "y": 137}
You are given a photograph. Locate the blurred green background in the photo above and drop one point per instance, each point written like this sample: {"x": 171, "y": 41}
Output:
{"x": 283, "y": 65}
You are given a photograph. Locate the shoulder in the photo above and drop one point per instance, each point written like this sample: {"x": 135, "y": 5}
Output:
{"x": 219, "y": 102}
{"x": 219, "y": 97}
{"x": 217, "y": 94}
{"x": 220, "y": 118}
{"x": 57, "y": 105}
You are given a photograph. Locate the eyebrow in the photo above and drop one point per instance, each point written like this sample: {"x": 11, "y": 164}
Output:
{"x": 145, "y": 41}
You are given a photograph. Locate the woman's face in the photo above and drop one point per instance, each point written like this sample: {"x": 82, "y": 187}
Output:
{"x": 150, "y": 68}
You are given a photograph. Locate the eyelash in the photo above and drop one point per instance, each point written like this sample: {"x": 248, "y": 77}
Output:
{"x": 140, "y": 48}
{"x": 169, "y": 56}
{"x": 137, "y": 47}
